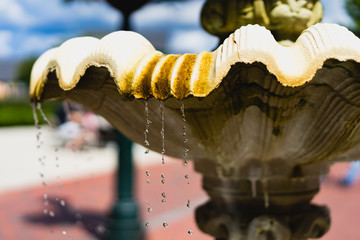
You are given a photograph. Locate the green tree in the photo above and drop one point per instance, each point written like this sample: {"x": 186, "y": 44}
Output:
{"x": 353, "y": 8}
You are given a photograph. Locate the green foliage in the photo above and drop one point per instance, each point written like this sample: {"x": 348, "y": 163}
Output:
{"x": 353, "y": 8}
{"x": 23, "y": 71}
{"x": 19, "y": 112}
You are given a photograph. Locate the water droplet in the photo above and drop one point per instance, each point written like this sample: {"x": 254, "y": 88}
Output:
{"x": 190, "y": 232}
{"x": 163, "y": 175}
{"x": 149, "y": 209}
{"x": 146, "y": 142}
{"x": 163, "y": 181}
{"x": 188, "y": 203}
{"x": 253, "y": 187}
{"x": 266, "y": 194}
{"x": 147, "y": 224}
{"x": 46, "y": 212}
{"x": 52, "y": 214}
{"x": 148, "y": 203}
{"x": 185, "y": 162}
{"x": 147, "y": 180}
{"x": 41, "y": 175}
{"x": 64, "y": 232}
{"x": 147, "y": 173}
{"x": 44, "y": 183}
{"x": 147, "y": 151}
{"x": 100, "y": 228}
{"x": 38, "y": 136}
{"x": 163, "y": 201}
{"x": 186, "y": 176}
{"x": 163, "y": 195}
{"x": 62, "y": 203}
{"x": 165, "y": 225}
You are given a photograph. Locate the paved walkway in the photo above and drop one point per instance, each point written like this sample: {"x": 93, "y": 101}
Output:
{"x": 58, "y": 194}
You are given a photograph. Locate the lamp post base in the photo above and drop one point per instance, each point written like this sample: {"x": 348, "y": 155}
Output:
{"x": 123, "y": 222}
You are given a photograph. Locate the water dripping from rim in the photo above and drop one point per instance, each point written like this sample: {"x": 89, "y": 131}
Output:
{"x": 36, "y": 119}
{"x": 38, "y": 106}
{"x": 162, "y": 115}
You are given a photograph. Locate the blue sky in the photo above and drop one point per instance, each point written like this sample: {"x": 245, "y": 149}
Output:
{"x": 29, "y": 27}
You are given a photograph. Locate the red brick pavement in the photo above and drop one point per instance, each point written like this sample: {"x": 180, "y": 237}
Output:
{"x": 77, "y": 209}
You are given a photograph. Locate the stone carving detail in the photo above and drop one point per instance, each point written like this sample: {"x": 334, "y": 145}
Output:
{"x": 307, "y": 222}
{"x": 285, "y": 18}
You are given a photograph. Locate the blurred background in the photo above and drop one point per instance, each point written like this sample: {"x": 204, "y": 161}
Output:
{"x": 53, "y": 186}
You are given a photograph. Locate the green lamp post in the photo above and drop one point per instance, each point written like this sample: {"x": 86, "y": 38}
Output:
{"x": 124, "y": 222}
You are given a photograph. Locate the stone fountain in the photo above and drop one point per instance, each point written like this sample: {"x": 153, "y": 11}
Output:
{"x": 264, "y": 115}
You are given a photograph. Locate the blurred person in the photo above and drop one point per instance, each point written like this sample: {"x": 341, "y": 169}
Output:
{"x": 79, "y": 127}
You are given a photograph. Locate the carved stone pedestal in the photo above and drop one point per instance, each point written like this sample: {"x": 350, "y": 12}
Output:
{"x": 247, "y": 205}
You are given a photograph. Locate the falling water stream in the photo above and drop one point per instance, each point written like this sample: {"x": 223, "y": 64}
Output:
{"x": 37, "y": 107}
{"x": 253, "y": 181}
{"x": 186, "y": 150}
{"x": 165, "y": 224}
{"x": 147, "y": 144}
{"x": 36, "y": 119}
{"x": 147, "y": 125}
{"x": 162, "y": 132}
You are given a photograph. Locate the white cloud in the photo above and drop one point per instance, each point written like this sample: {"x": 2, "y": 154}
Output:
{"x": 335, "y": 12}
{"x": 193, "y": 41}
{"x": 5, "y": 44}
{"x": 168, "y": 14}
{"x": 12, "y": 12}
{"x": 73, "y": 16}
{"x": 35, "y": 44}
{"x": 32, "y": 26}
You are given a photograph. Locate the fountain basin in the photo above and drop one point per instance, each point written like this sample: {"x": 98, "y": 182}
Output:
{"x": 249, "y": 100}
{"x": 263, "y": 122}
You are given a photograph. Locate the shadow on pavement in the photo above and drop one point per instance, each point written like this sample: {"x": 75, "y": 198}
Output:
{"x": 60, "y": 212}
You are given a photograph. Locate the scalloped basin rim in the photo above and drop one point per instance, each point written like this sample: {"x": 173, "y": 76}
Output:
{"x": 142, "y": 72}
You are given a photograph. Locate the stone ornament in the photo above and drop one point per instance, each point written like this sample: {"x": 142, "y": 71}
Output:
{"x": 285, "y": 18}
